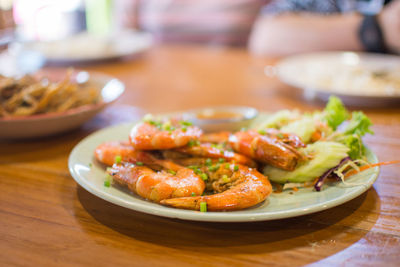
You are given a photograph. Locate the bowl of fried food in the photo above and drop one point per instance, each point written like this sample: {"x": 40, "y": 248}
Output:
{"x": 53, "y": 101}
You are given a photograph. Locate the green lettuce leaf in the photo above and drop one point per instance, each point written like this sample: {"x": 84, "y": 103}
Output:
{"x": 354, "y": 143}
{"x": 335, "y": 113}
{"x": 359, "y": 124}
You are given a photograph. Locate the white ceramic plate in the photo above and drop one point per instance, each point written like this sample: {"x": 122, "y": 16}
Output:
{"x": 360, "y": 79}
{"x": 53, "y": 123}
{"x": 277, "y": 206}
{"x": 86, "y": 48}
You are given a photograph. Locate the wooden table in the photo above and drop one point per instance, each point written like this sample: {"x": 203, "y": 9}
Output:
{"x": 47, "y": 219}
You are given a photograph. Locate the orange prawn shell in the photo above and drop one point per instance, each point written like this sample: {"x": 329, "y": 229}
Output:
{"x": 107, "y": 151}
{"x": 156, "y": 186}
{"x": 146, "y": 136}
{"x": 254, "y": 189}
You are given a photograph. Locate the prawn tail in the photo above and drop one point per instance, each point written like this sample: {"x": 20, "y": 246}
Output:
{"x": 189, "y": 203}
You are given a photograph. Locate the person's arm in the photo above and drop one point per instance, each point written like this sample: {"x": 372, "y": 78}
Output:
{"x": 389, "y": 19}
{"x": 292, "y": 33}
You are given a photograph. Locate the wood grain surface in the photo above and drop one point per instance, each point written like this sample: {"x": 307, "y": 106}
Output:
{"x": 46, "y": 219}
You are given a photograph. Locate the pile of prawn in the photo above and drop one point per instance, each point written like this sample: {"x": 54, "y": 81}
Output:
{"x": 172, "y": 162}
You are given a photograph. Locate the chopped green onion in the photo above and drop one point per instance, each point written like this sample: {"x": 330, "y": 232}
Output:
{"x": 280, "y": 135}
{"x": 168, "y": 126}
{"x": 222, "y": 152}
{"x": 184, "y": 129}
{"x": 193, "y": 194}
{"x": 172, "y": 172}
{"x": 208, "y": 162}
{"x": 186, "y": 123}
{"x": 193, "y": 167}
{"x": 214, "y": 168}
{"x": 221, "y": 160}
{"x": 227, "y": 166}
{"x": 148, "y": 117}
{"x": 118, "y": 159}
{"x": 139, "y": 163}
{"x": 158, "y": 124}
{"x": 90, "y": 165}
{"x": 108, "y": 180}
{"x": 197, "y": 171}
{"x": 193, "y": 143}
{"x": 225, "y": 178}
{"x": 204, "y": 176}
{"x": 236, "y": 168}
{"x": 203, "y": 206}
{"x": 262, "y": 132}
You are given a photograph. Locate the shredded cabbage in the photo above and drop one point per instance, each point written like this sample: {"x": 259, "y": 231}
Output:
{"x": 279, "y": 119}
{"x": 353, "y": 164}
{"x": 303, "y": 128}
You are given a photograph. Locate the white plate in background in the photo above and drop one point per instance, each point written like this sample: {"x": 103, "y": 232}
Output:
{"x": 359, "y": 79}
{"x": 87, "y": 48}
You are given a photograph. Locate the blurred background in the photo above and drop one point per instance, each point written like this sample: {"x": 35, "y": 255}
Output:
{"x": 262, "y": 25}
{"x": 47, "y": 20}
{"x": 38, "y": 32}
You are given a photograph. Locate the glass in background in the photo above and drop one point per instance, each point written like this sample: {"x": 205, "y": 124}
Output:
{"x": 47, "y": 20}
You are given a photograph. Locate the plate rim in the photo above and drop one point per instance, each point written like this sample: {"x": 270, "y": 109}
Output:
{"x": 146, "y": 37}
{"x": 159, "y": 210}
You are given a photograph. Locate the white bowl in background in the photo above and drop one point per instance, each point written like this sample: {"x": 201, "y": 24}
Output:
{"x": 222, "y": 118}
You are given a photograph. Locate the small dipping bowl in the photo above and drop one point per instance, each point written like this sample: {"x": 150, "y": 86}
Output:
{"x": 222, "y": 118}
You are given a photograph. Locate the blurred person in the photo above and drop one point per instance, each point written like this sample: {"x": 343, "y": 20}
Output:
{"x": 223, "y": 22}
{"x": 296, "y": 26}
{"x": 6, "y": 18}
{"x": 7, "y": 25}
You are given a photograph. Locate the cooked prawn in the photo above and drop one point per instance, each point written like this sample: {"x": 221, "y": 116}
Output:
{"x": 265, "y": 149}
{"x": 106, "y": 152}
{"x": 153, "y": 135}
{"x": 177, "y": 182}
{"x": 208, "y": 150}
{"x": 248, "y": 187}
{"x": 287, "y": 138}
{"x": 218, "y": 137}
